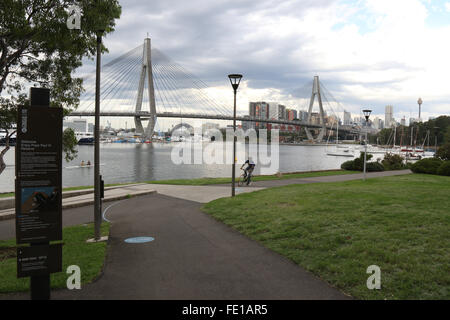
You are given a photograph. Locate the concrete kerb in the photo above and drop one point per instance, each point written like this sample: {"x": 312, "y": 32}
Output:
{"x": 10, "y": 213}
{"x": 9, "y": 202}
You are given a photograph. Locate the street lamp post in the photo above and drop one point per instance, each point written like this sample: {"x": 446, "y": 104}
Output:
{"x": 235, "y": 79}
{"x": 419, "y": 102}
{"x": 366, "y": 115}
{"x": 97, "y": 178}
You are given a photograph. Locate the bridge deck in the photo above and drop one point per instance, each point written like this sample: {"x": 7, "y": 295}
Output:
{"x": 145, "y": 114}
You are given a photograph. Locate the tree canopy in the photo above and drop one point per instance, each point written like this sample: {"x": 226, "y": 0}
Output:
{"x": 38, "y": 49}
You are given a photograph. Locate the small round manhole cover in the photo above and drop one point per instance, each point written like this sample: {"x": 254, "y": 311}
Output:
{"x": 139, "y": 240}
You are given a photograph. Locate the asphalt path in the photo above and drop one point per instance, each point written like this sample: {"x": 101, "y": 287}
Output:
{"x": 193, "y": 256}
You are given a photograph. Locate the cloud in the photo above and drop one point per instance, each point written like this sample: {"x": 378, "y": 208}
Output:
{"x": 367, "y": 53}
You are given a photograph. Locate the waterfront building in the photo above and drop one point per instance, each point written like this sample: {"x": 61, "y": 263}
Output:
{"x": 259, "y": 110}
{"x": 291, "y": 114}
{"x": 79, "y": 125}
{"x": 303, "y": 115}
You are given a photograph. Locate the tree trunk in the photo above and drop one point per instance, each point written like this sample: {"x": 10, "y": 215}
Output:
{"x": 3, "y": 152}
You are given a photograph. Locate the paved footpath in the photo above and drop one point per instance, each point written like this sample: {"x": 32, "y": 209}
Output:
{"x": 193, "y": 256}
{"x": 335, "y": 178}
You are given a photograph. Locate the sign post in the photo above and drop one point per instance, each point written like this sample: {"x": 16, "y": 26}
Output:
{"x": 38, "y": 191}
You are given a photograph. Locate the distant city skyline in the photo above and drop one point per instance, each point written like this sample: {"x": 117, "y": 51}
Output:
{"x": 368, "y": 53}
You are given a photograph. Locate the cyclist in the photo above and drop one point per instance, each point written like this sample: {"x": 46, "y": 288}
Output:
{"x": 249, "y": 167}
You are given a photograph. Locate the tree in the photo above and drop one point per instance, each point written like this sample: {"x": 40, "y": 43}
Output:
{"x": 444, "y": 152}
{"x": 37, "y": 47}
{"x": 447, "y": 135}
{"x": 7, "y": 119}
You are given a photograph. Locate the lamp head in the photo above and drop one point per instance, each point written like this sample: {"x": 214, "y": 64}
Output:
{"x": 367, "y": 113}
{"x": 420, "y": 101}
{"x": 235, "y": 79}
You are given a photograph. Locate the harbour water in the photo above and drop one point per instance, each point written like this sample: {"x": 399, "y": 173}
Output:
{"x": 142, "y": 162}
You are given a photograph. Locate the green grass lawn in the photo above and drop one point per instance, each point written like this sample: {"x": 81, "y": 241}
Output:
{"x": 88, "y": 256}
{"x": 337, "y": 230}
{"x": 209, "y": 181}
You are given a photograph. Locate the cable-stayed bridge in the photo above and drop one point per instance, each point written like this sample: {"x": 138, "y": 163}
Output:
{"x": 145, "y": 76}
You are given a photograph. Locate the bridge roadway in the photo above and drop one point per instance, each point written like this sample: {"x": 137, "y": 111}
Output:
{"x": 145, "y": 114}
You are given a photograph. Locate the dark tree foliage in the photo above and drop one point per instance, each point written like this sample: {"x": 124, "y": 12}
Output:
{"x": 38, "y": 49}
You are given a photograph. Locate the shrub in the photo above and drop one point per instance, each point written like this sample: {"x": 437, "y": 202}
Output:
{"x": 348, "y": 165}
{"x": 393, "y": 162}
{"x": 358, "y": 164}
{"x": 429, "y": 166}
{"x": 444, "y": 169}
{"x": 444, "y": 152}
{"x": 374, "y": 166}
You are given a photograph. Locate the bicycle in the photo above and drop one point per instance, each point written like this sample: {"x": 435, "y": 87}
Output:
{"x": 244, "y": 178}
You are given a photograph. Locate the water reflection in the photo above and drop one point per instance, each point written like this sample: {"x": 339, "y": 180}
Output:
{"x": 141, "y": 162}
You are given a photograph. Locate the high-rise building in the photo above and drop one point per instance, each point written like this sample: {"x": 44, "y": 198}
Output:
{"x": 291, "y": 114}
{"x": 282, "y": 112}
{"x": 388, "y": 116}
{"x": 378, "y": 123}
{"x": 303, "y": 115}
{"x": 403, "y": 121}
{"x": 259, "y": 110}
{"x": 273, "y": 110}
{"x": 347, "y": 118}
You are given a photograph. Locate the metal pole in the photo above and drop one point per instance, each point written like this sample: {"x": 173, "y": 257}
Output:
{"x": 233, "y": 173}
{"x": 365, "y": 153}
{"x": 97, "y": 201}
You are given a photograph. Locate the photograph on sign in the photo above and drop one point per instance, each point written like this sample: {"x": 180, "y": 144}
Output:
{"x": 43, "y": 199}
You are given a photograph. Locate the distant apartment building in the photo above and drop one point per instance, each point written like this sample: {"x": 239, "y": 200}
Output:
{"x": 291, "y": 114}
{"x": 378, "y": 123}
{"x": 331, "y": 120}
{"x": 303, "y": 115}
{"x": 315, "y": 118}
{"x": 403, "y": 121}
{"x": 282, "y": 112}
{"x": 359, "y": 120}
{"x": 388, "y": 116}
{"x": 259, "y": 110}
{"x": 347, "y": 118}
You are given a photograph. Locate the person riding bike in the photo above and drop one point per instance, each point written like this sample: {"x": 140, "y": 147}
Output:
{"x": 250, "y": 166}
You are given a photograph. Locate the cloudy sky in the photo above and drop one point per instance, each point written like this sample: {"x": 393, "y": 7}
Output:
{"x": 368, "y": 53}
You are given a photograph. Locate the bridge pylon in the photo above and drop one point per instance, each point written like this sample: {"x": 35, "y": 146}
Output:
{"x": 146, "y": 74}
{"x": 316, "y": 92}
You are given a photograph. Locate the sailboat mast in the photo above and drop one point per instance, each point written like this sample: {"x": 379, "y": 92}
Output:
{"x": 337, "y": 132}
{"x": 395, "y": 135}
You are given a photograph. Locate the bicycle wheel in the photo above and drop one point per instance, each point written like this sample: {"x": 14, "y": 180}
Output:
{"x": 241, "y": 180}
